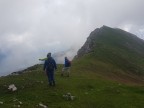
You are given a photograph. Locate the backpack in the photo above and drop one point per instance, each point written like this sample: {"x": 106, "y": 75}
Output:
{"x": 69, "y": 63}
{"x": 50, "y": 65}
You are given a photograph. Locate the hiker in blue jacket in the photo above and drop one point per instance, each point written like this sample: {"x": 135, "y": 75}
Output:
{"x": 49, "y": 68}
{"x": 66, "y": 68}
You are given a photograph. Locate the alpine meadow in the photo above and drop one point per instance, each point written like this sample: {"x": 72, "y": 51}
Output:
{"x": 107, "y": 72}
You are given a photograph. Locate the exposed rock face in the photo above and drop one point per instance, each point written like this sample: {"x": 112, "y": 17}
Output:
{"x": 90, "y": 43}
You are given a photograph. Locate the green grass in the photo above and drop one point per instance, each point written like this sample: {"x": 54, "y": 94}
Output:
{"x": 90, "y": 89}
{"x": 122, "y": 49}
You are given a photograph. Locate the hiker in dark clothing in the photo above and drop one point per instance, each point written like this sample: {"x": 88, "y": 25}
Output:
{"x": 49, "y": 68}
{"x": 67, "y": 62}
{"x": 66, "y": 68}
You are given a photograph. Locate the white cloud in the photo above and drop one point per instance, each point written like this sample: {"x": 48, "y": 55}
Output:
{"x": 31, "y": 28}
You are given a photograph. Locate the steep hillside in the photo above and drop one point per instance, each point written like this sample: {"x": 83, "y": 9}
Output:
{"x": 116, "y": 51}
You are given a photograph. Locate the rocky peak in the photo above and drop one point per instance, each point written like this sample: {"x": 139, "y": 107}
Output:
{"x": 90, "y": 42}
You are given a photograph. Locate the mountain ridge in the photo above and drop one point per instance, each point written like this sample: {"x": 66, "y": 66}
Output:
{"x": 87, "y": 47}
{"x": 117, "y": 49}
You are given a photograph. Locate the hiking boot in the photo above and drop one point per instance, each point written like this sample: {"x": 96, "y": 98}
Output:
{"x": 50, "y": 84}
{"x": 53, "y": 83}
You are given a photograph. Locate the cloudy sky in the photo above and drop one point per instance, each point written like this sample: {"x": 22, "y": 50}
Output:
{"x": 31, "y": 28}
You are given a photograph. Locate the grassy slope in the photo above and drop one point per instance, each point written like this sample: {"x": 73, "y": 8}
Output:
{"x": 90, "y": 88}
{"x": 120, "y": 49}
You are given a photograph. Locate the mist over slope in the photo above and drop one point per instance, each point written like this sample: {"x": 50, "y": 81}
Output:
{"x": 18, "y": 63}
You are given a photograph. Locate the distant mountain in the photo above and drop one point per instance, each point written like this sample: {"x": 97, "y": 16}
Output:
{"x": 116, "y": 48}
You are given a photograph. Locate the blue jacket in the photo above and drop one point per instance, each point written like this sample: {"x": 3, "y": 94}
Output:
{"x": 50, "y": 64}
{"x": 67, "y": 63}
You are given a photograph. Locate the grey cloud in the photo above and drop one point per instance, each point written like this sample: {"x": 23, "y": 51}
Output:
{"x": 31, "y": 28}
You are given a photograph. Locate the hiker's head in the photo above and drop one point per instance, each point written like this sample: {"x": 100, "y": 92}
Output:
{"x": 66, "y": 58}
{"x": 49, "y": 55}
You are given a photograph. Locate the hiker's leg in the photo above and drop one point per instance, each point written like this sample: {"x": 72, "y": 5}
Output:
{"x": 49, "y": 78}
{"x": 52, "y": 78}
{"x": 68, "y": 71}
{"x": 62, "y": 73}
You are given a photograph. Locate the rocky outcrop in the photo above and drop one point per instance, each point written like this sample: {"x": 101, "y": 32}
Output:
{"x": 89, "y": 44}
